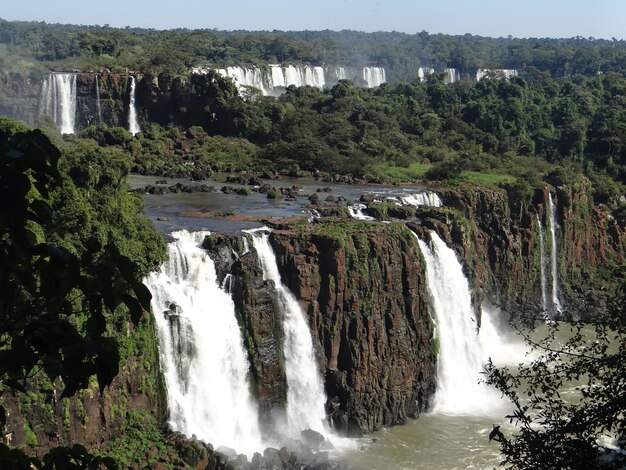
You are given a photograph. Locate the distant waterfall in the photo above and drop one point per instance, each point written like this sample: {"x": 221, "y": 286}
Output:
{"x": 452, "y": 75}
{"x": 58, "y": 100}
{"x": 423, "y": 198}
{"x": 554, "y": 254}
{"x": 98, "y": 106}
{"x": 460, "y": 354}
{"x": 424, "y": 72}
{"x": 305, "y": 393}
{"x": 273, "y": 79}
{"x": 202, "y": 355}
{"x": 504, "y": 73}
{"x": 542, "y": 264}
{"x": 133, "y": 124}
{"x": 374, "y": 76}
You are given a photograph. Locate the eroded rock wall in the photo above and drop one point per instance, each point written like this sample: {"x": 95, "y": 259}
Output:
{"x": 363, "y": 289}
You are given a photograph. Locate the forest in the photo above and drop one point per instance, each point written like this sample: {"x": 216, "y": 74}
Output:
{"x": 67, "y": 47}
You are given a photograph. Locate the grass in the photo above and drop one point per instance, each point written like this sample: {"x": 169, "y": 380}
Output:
{"x": 416, "y": 172}
{"x": 486, "y": 179}
{"x": 397, "y": 174}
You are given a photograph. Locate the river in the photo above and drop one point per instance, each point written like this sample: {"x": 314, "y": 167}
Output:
{"x": 434, "y": 440}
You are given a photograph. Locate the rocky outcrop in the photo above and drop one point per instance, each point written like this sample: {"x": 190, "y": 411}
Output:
{"x": 363, "y": 289}
{"x": 498, "y": 239}
{"x": 39, "y": 419}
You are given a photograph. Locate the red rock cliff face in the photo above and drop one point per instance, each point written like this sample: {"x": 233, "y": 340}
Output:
{"x": 39, "y": 420}
{"x": 501, "y": 246}
{"x": 363, "y": 289}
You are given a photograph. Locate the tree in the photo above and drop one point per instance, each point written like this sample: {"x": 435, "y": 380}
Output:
{"x": 54, "y": 303}
{"x": 555, "y": 431}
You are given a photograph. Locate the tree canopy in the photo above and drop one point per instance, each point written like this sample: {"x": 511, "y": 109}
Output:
{"x": 59, "y": 294}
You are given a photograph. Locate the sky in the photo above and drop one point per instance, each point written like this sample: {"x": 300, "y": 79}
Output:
{"x": 521, "y": 18}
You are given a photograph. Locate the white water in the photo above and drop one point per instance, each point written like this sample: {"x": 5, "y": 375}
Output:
{"x": 98, "y": 106}
{"x": 374, "y": 76}
{"x": 506, "y": 73}
{"x": 556, "y": 303}
{"x": 305, "y": 394}
{"x": 460, "y": 358}
{"x": 424, "y": 72}
{"x": 499, "y": 342}
{"x": 426, "y": 198}
{"x": 202, "y": 355}
{"x": 58, "y": 100}
{"x": 357, "y": 211}
{"x": 133, "y": 124}
{"x": 542, "y": 264}
{"x": 273, "y": 80}
{"x": 452, "y": 75}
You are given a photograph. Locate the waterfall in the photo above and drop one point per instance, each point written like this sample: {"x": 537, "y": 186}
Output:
{"x": 202, "y": 355}
{"x": 58, "y": 100}
{"x": 133, "y": 124}
{"x": 424, "y": 72}
{"x": 452, "y": 75}
{"x": 357, "y": 211}
{"x": 542, "y": 264}
{"x": 426, "y": 198}
{"x": 98, "y": 107}
{"x": 275, "y": 78}
{"x": 556, "y": 303}
{"x": 305, "y": 394}
{"x": 504, "y": 73}
{"x": 374, "y": 76}
{"x": 460, "y": 355}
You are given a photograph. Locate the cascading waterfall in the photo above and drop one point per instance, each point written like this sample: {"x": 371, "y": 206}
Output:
{"x": 542, "y": 264}
{"x": 424, "y": 72}
{"x": 273, "y": 80}
{"x": 357, "y": 211}
{"x": 505, "y": 73}
{"x": 452, "y": 75}
{"x": 426, "y": 198}
{"x": 374, "y": 76}
{"x": 460, "y": 355}
{"x": 58, "y": 99}
{"x": 556, "y": 303}
{"x": 202, "y": 355}
{"x": 305, "y": 393}
{"x": 98, "y": 106}
{"x": 133, "y": 124}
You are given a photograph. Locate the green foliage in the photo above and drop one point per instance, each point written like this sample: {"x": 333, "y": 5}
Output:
{"x": 273, "y": 193}
{"x": 435, "y": 346}
{"x": 56, "y": 296}
{"x": 558, "y": 432}
{"x": 137, "y": 440}
{"x": 31, "y": 438}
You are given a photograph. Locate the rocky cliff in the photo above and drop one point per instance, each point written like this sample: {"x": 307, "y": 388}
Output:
{"x": 498, "y": 238}
{"x": 363, "y": 290}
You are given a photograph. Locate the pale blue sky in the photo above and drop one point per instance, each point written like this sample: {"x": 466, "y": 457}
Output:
{"x": 521, "y": 18}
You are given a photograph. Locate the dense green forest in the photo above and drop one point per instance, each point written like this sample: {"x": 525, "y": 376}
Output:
{"x": 558, "y": 119}
{"x": 74, "y": 247}
{"x": 66, "y": 47}
{"x": 518, "y": 133}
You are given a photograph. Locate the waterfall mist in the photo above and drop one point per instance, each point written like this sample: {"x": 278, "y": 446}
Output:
{"x": 305, "y": 393}
{"x": 202, "y": 355}
{"x": 58, "y": 100}
{"x": 460, "y": 356}
{"x": 133, "y": 123}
